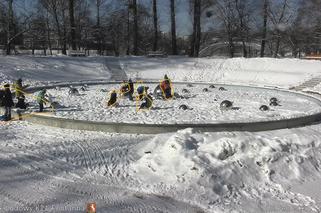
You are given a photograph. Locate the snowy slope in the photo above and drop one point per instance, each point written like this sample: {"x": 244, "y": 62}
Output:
{"x": 257, "y": 71}
{"x": 283, "y": 73}
{"x": 48, "y": 69}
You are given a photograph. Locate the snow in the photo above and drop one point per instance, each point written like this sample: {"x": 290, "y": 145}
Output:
{"x": 282, "y": 73}
{"x": 50, "y": 69}
{"x": 47, "y": 169}
{"x": 216, "y": 167}
{"x": 204, "y": 106}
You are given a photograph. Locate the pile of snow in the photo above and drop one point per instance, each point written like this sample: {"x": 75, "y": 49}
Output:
{"x": 283, "y": 73}
{"x": 219, "y": 167}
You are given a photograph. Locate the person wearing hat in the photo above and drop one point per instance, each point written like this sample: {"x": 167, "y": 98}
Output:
{"x": 112, "y": 99}
{"x": 7, "y": 102}
{"x": 41, "y": 99}
{"x": 147, "y": 101}
{"x": 166, "y": 87}
{"x": 141, "y": 91}
{"x": 131, "y": 89}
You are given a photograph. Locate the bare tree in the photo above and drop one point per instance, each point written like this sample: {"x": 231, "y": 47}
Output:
{"x": 155, "y": 45}
{"x": 134, "y": 6}
{"x": 196, "y": 36}
{"x": 243, "y": 17}
{"x": 173, "y": 27}
{"x": 279, "y": 19}
{"x": 72, "y": 24}
{"x": 264, "y": 31}
{"x": 9, "y": 26}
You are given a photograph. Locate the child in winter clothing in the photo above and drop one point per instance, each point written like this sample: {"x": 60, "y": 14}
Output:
{"x": 7, "y": 102}
{"x": 127, "y": 89}
{"x": 113, "y": 99}
{"x": 141, "y": 90}
{"x": 166, "y": 87}
{"x": 131, "y": 89}
{"x": 148, "y": 102}
{"x": 41, "y": 99}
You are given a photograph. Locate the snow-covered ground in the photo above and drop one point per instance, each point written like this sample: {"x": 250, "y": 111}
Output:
{"x": 204, "y": 107}
{"x": 54, "y": 170}
{"x": 283, "y": 73}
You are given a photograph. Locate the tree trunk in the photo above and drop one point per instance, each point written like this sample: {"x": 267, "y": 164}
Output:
{"x": 135, "y": 28}
{"x": 64, "y": 49}
{"x": 128, "y": 29}
{"x": 231, "y": 45}
{"x": 240, "y": 11}
{"x": 58, "y": 25}
{"x": 99, "y": 42}
{"x": 72, "y": 25}
{"x": 265, "y": 19}
{"x": 155, "y": 46}
{"x": 9, "y": 26}
{"x": 196, "y": 39}
{"x": 277, "y": 47}
{"x": 173, "y": 27}
{"x": 48, "y": 34}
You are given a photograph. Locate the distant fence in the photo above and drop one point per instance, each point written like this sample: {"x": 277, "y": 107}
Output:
{"x": 312, "y": 57}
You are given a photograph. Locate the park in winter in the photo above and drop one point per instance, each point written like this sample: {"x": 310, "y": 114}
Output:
{"x": 178, "y": 106}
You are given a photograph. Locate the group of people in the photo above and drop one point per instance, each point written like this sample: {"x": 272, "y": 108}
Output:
{"x": 7, "y": 101}
{"x": 127, "y": 90}
{"x": 143, "y": 95}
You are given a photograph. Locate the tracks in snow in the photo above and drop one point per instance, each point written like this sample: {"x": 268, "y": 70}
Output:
{"x": 309, "y": 84}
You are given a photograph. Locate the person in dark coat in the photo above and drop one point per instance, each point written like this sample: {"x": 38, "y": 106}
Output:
{"x": 147, "y": 102}
{"x": 142, "y": 91}
{"x": 112, "y": 99}
{"x": 131, "y": 89}
{"x": 1, "y": 97}
{"x": 7, "y": 102}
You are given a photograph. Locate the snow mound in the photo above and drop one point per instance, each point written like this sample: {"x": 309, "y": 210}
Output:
{"x": 210, "y": 168}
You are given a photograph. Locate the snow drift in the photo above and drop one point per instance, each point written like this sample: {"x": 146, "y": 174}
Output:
{"x": 213, "y": 168}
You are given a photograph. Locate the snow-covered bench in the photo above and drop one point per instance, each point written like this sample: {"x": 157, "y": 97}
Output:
{"x": 76, "y": 53}
{"x": 156, "y": 54}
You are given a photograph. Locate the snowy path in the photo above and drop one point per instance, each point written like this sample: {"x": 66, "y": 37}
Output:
{"x": 117, "y": 73}
{"x": 48, "y": 170}
{"x": 309, "y": 84}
